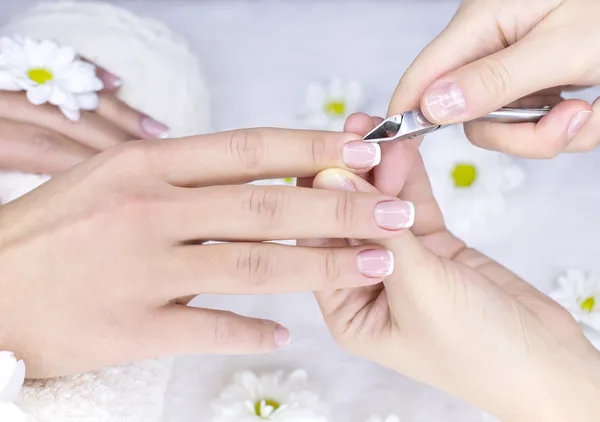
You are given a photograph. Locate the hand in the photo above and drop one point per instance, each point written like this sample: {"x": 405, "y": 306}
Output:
{"x": 97, "y": 264}
{"x": 39, "y": 139}
{"x": 511, "y": 52}
{"x": 450, "y": 317}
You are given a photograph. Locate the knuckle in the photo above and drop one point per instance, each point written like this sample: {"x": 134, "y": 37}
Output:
{"x": 222, "y": 329}
{"x": 318, "y": 152}
{"x": 330, "y": 264}
{"x": 45, "y": 142}
{"x": 268, "y": 205}
{"x": 249, "y": 147}
{"x": 127, "y": 158}
{"x": 494, "y": 77}
{"x": 256, "y": 263}
{"x": 345, "y": 209}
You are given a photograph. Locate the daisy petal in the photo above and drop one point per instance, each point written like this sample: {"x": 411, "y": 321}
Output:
{"x": 58, "y": 96}
{"x": 39, "y": 94}
{"x": 62, "y": 58}
{"x": 88, "y": 101}
{"x": 71, "y": 114}
{"x": 7, "y": 82}
{"x": 15, "y": 383}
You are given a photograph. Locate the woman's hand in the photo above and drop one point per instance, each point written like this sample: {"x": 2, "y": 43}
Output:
{"x": 450, "y": 317}
{"x": 39, "y": 139}
{"x": 511, "y": 52}
{"x": 96, "y": 266}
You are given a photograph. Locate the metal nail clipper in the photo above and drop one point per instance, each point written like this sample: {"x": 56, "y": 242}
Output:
{"x": 413, "y": 124}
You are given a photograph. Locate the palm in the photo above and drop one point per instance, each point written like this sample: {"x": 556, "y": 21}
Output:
{"x": 480, "y": 284}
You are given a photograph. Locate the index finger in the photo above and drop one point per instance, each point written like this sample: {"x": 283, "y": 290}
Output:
{"x": 246, "y": 155}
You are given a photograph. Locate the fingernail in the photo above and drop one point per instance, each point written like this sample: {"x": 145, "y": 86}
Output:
{"x": 445, "y": 101}
{"x": 361, "y": 155}
{"x": 577, "y": 122}
{"x": 375, "y": 263}
{"x": 154, "y": 129}
{"x": 282, "y": 336}
{"x": 395, "y": 215}
{"x": 110, "y": 80}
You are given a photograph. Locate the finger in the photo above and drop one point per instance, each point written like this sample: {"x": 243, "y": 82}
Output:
{"x": 250, "y": 213}
{"x": 182, "y": 330}
{"x": 91, "y": 130}
{"x": 132, "y": 121}
{"x": 268, "y": 268}
{"x": 491, "y": 82}
{"x": 464, "y": 39}
{"x": 32, "y": 149}
{"x": 545, "y": 139}
{"x": 243, "y": 156}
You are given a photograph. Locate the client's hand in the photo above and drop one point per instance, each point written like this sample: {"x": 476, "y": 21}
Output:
{"x": 39, "y": 139}
{"x": 450, "y": 317}
{"x": 96, "y": 265}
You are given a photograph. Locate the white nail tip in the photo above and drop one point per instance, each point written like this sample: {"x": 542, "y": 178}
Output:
{"x": 411, "y": 215}
{"x": 377, "y": 158}
{"x": 391, "y": 267}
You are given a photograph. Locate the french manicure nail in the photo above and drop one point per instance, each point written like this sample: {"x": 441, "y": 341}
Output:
{"x": 395, "y": 215}
{"x": 375, "y": 263}
{"x": 154, "y": 129}
{"x": 577, "y": 122}
{"x": 282, "y": 336}
{"x": 110, "y": 80}
{"x": 361, "y": 155}
{"x": 445, "y": 101}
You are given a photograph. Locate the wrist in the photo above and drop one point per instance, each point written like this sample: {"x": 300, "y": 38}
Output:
{"x": 568, "y": 390}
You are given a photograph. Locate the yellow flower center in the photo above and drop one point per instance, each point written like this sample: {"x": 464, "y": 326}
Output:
{"x": 40, "y": 75}
{"x": 464, "y": 175}
{"x": 289, "y": 180}
{"x": 265, "y": 402}
{"x": 336, "y": 108}
{"x": 588, "y": 304}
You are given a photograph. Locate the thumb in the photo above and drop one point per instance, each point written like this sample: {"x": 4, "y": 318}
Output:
{"x": 416, "y": 269}
{"x": 496, "y": 80}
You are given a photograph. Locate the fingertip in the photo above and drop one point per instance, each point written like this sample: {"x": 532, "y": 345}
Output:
{"x": 282, "y": 336}
{"x": 359, "y": 124}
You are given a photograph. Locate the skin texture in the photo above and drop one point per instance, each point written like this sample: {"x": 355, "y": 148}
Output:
{"x": 452, "y": 318}
{"x": 517, "y": 53}
{"x": 39, "y": 139}
{"x": 118, "y": 247}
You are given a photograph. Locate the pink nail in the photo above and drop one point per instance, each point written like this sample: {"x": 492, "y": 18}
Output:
{"x": 361, "y": 155}
{"x": 154, "y": 129}
{"x": 282, "y": 336}
{"x": 577, "y": 123}
{"x": 375, "y": 263}
{"x": 445, "y": 101}
{"x": 110, "y": 81}
{"x": 395, "y": 215}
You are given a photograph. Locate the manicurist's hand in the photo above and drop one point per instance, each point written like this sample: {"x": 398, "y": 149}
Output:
{"x": 511, "y": 52}
{"x": 96, "y": 266}
{"x": 451, "y": 317}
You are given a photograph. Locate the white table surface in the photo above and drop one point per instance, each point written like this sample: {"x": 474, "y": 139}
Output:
{"x": 258, "y": 56}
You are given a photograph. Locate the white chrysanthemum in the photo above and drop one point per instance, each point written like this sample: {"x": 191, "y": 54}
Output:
{"x": 49, "y": 73}
{"x": 12, "y": 377}
{"x": 270, "y": 397}
{"x": 468, "y": 182}
{"x": 328, "y": 105}
{"x": 390, "y": 418}
{"x": 579, "y": 293}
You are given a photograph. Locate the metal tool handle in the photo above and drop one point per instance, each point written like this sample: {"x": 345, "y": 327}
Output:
{"x": 516, "y": 115}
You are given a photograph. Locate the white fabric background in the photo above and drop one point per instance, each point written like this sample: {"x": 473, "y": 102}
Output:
{"x": 258, "y": 56}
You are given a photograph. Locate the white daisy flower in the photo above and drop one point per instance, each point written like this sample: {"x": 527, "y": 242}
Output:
{"x": 269, "y": 397}
{"x": 12, "y": 377}
{"x": 328, "y": 105}
{"x": 468, "y": 182}
{"x": 579, "y": 293}
{"x": 390, "y": 418}
{"x": 49, "y": 73}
